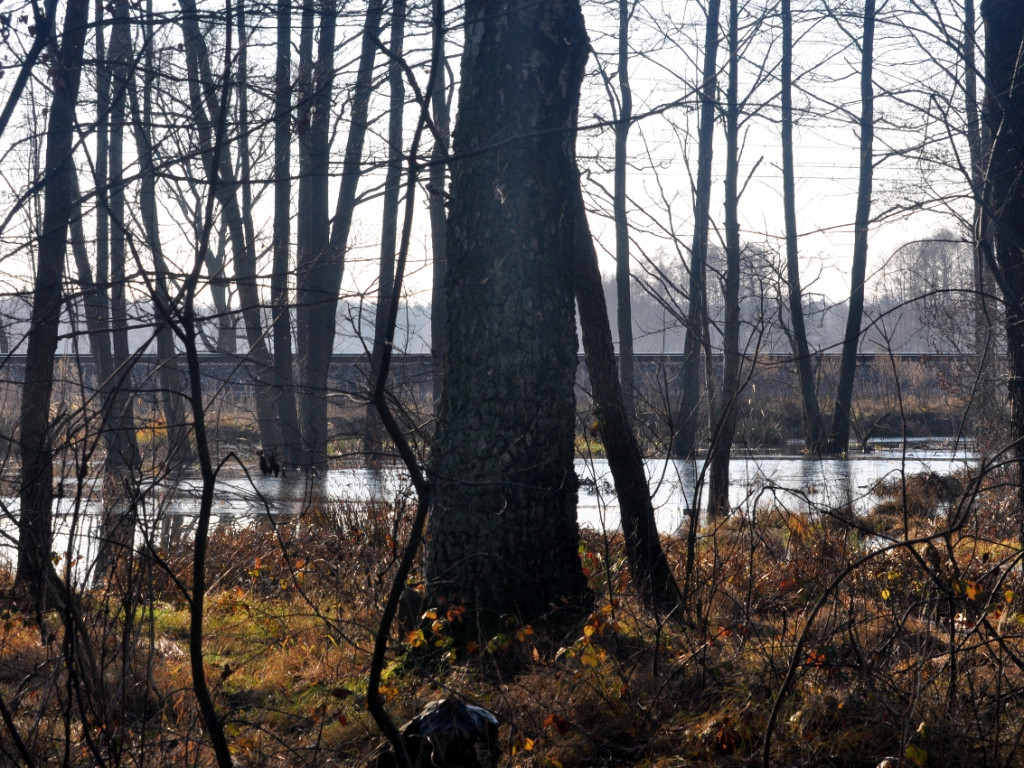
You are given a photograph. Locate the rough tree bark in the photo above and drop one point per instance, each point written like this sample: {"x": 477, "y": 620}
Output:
{"x": 839, "y": 438}
{"x": 123, "y": 460}
{"x": 303, "y": 121}
{"x": 502, "y": 535}
{"x": 1004, "y": 67}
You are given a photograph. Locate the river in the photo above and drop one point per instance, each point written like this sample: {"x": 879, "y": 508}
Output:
{"x": 756, "y": 481}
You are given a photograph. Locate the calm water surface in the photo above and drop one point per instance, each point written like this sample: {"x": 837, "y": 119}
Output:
{"x": 756, "y": 481}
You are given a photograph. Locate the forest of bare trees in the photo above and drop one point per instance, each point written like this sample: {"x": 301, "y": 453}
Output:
{"x": 457, "y": 255}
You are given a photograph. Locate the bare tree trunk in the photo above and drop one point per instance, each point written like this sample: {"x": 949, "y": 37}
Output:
{"x": 101, "y": 304}
{"x": 622, "y": 268}
{"x": 502, "y": 532}
{"x": 374, "y": 435}
{"x": 117, "y": 531}
{"x": 839, "y": 439}
{"x": 267, "y": 394}
{"x": 724, "y": 428}
{"x": 311, "y": 293}
{"x": 303, "y": 120}
{"x": 216, "y": 266}
{"x": 120, "y": 51}
{"x": 319, "y": 278}
{"x": 189, "y": 336}
{"x": 651, "y": 572}
{"x": 291, "y": 437}
{"x": 120, "y": 44}
{"x": 243, "y": 248}
{"x": 438, "y": 163}
{"x": 684, "y": 444}
{"x": 43, "y": 37}
{"x": 117, "y": 416}
{"x": 1004, "y": 65}
{"x": 35, "y": 522}
{"x": 172, "y": 383}
{"x": 983, "y": 233}
{"x": 814, "y": 431}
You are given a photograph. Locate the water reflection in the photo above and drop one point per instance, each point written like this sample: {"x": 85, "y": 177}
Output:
{"x": 796, "y": 483}
{"x": 167, "y": 510}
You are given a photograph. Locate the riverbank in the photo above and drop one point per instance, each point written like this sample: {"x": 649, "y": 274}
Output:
{"x": 794, "y": 634}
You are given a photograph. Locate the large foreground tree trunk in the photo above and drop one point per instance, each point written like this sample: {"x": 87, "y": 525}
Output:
{"x": 503, "y": 536}
{"x": 35, "y": 523}
{"x": 1004, "y": 63}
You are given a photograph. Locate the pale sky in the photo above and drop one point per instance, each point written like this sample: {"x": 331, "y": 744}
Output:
{"x": 826, "y": 145}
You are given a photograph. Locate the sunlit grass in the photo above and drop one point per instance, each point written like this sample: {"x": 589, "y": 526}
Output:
{"x": 923, "y": 634}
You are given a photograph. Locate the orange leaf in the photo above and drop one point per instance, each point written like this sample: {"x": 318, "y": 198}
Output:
{"x": 557, "y": 722}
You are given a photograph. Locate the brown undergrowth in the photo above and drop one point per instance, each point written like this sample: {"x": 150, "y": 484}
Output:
{"x": 914, "y": 653}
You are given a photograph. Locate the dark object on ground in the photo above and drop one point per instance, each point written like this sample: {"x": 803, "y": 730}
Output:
{"x": 268, "y": 464}
{"x": 446, "y": 734}
{"x": 410, "y": 610}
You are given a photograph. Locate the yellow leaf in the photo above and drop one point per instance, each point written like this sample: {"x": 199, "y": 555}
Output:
{"x": 528, "y": 744}
{"x": 917, "y": 755}
{"x": 886, "y": 594}
{"x": 416, "y": 638}
{"x": 1008, "y": 596}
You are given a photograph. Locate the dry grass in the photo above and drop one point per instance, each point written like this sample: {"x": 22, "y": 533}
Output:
{"x": 917, "y": 652}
